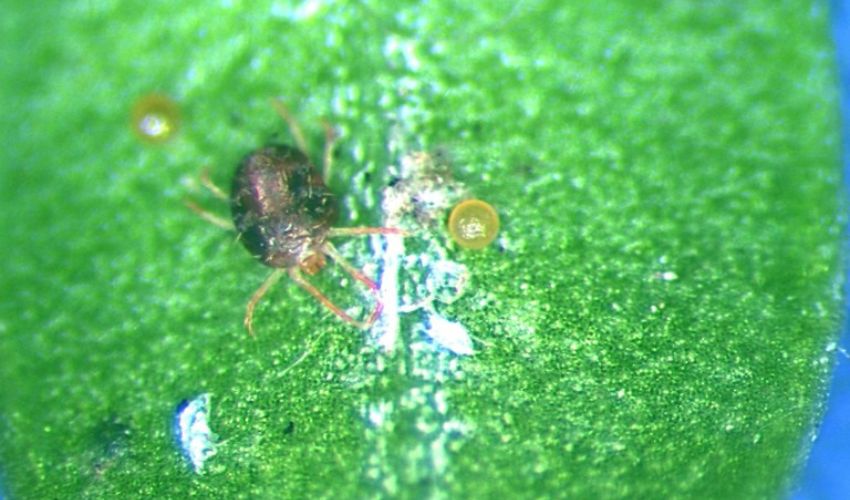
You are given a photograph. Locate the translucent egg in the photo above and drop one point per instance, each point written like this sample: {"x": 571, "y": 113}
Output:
{"x": 155, "y": 118}
{"x": 473, "y": 224}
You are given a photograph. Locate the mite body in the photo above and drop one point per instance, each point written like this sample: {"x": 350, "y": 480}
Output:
{"x": 281, "y": 208}
{"x": 283, "y": 213}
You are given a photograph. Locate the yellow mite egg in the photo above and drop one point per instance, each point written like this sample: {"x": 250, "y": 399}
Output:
{"x": 155, "y": 118}
{"x": 473, "y": 224}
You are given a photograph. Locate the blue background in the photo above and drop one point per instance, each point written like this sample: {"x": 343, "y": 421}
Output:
{"x": 827, "y": 473}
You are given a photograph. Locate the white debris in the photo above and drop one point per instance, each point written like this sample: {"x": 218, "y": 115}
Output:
{"x": 669, "y": 276}
{"x": 386, "y": 330}
{"x": 196, "y": 439}
{"x": 422, "y": 276}
{"x": 448, "y": 335}
{"x": 302, "y": 12}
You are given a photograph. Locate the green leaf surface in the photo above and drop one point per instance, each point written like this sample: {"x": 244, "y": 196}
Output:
{"x": 654, "y": 320}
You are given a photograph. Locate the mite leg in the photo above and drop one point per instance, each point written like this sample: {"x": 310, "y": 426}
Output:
{"x": 363, "y": 231}
{"x": 208, "y": 216}
{"x": 204, "y": 214}
{"x": 294, "y": 128}
{"x": 210, "y": 185}
{"x": 273, "y": 278}
{"x": 327, "y": 153}
{"x": 298, "y": 278}
{"x": 355, "y": 273}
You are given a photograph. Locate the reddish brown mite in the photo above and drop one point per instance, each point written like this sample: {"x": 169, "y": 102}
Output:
{"x": 283, "y": 213}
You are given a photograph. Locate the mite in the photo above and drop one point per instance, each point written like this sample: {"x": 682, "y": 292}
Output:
{"x": 282, "y": 212}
